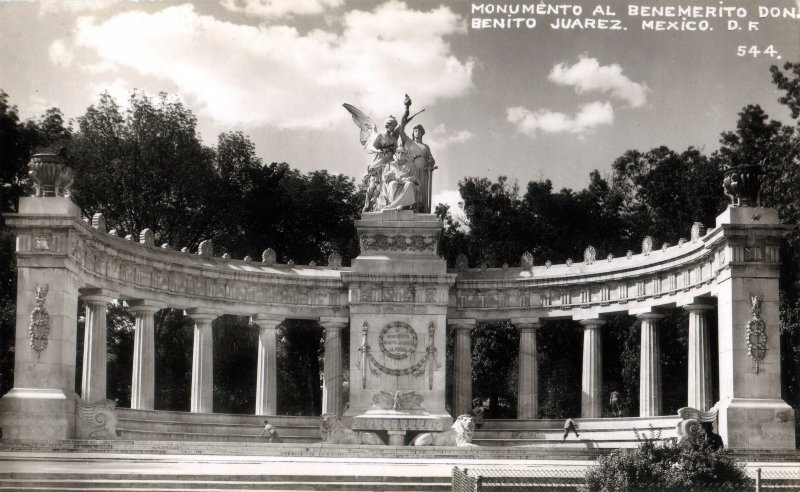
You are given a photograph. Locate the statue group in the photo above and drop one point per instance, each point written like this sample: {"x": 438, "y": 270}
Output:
{"x": 399, "y": 176}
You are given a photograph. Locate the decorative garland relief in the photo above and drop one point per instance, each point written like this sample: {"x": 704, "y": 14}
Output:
{"x": 756, "y": 332}
{"x": 39, "y": 329}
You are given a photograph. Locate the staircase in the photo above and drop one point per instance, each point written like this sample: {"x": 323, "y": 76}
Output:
{"x": 168, "y": 451}
{"x": 159, "y": 425}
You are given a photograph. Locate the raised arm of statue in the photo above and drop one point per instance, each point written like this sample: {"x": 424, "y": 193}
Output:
{"x": 401, "y": 130}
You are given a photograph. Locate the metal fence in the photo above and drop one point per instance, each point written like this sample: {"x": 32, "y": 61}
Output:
{"x": 543, "y": 478}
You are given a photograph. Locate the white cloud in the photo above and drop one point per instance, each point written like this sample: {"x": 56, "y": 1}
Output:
{"x": 271, "y": 9}
{"x": 589, "y": 116}
{"x": 60, "y": 53}
{"x": 441, "y": 137}
{"x": 587, "y": 75}
{"x": 241, "y": 74}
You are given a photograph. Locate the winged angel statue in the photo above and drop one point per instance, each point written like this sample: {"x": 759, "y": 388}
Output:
{"x": 399, "y": 175}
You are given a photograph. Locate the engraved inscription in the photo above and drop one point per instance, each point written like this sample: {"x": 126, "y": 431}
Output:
{"x": 397, "y": 340}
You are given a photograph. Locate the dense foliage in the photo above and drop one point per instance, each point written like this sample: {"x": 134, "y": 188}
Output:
{"x": 666, "y": 465}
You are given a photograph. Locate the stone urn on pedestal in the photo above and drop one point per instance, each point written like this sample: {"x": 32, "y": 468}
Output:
{"x": 50, "y": 176}
{"x": 742, "y": 184}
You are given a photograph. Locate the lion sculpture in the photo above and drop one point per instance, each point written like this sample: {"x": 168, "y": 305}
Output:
{"x": 334, "y": 432}
{"x": 460, "y": 434}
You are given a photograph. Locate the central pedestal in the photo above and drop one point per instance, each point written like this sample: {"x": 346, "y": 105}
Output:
{"x": 399, "y": 289}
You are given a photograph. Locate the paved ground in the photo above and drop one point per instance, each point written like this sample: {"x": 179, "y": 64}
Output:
{"x": 80, "y": 463}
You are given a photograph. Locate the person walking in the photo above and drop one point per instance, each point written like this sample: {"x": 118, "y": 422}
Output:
{"x": 569, "y": 425}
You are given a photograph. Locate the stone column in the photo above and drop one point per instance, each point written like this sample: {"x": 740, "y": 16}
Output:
{"x": 143, "y": 378}
{"x": 462, "y": 362}
{"x": 650, "y": 366}
{"x": 93, "y": 383}
{"x": 700, "y": 389}
{"x": 332, "y": 381}
{"x": 203, "y": 360}
{"x": 592, "y": 377}
{"x": 266, "y": 375}
{"x": 528, "y": 382}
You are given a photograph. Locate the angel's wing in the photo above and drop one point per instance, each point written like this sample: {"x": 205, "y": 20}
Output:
{"x": 384, "y": 399}
{"x": 409, "y": 400}
{"x": 364, "y": 123}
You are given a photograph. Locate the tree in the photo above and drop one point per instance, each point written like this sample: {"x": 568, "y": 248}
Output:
{"x": 147, "y": 168}
{"x": 789, "y": 83}
{"x": 494, "y": 367}
{"x": 300, "y": 349}
{"x": 661, "y": 193}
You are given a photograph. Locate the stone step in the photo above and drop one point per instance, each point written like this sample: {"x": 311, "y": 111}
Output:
{"x": 597, "y": 435}
{"x": 158, "y": 425}
{"x": 213, "y": 429}
{"x": 155, "y": 435}
{"x": 221, "y": 418}
{"x": 547, "y": 450}
{"x": 557, "y": 445}
{"x": 621, "y": 423}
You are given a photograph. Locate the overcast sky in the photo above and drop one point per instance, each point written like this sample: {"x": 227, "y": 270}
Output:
{"x": 524, "y": 102}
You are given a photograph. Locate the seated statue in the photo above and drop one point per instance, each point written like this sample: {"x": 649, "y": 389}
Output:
{"x": 399, "y": 183}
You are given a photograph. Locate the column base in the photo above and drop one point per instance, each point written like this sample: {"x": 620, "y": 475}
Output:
{"x": 751, "y": 423}
{"x": 30, "y": 413}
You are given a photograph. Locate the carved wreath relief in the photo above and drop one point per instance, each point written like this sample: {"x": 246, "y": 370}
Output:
{"x": 756, "y": 332}
{"x": 39, "y": 329}
{"x": 398, "y": 341}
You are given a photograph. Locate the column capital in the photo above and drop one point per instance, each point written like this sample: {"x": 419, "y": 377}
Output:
{"x": 90, "y": 295}
{"x": 698, "y": 307}
{"x": 592, "y": 323}
{"x": 200, "y": 315}
{"x": 144, "y": 306}
{"x": 462, "y": 323}
{"x": 266, "y": 320}
{"x": 334, "y": 322}
{"x": 526, "y": 323}
{"x": 649, "y": 316}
